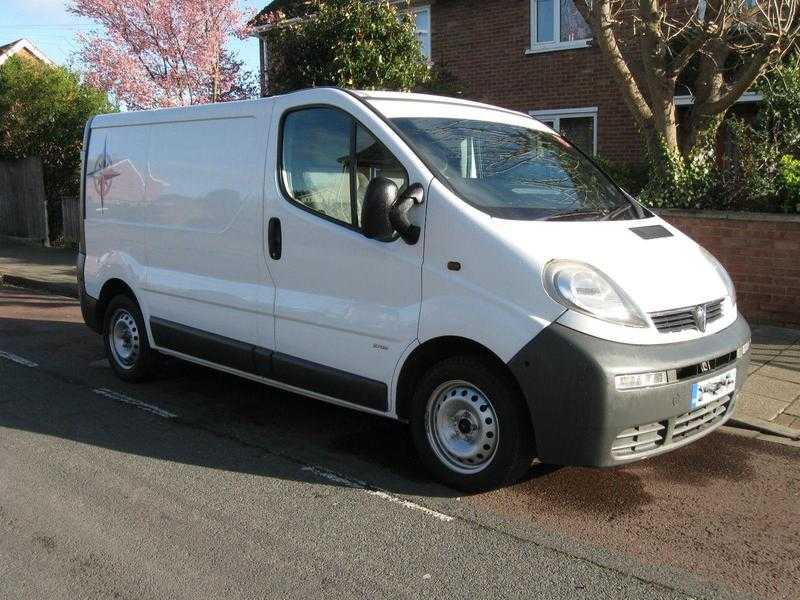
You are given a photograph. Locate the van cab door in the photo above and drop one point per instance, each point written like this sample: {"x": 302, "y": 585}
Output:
{"x": 347, "y": 307}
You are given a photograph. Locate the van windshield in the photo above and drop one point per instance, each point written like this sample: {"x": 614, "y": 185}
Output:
{"x": 514, "y": 172}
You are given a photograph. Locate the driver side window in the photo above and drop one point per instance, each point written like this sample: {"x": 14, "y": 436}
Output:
{"x": 328, "y": 160}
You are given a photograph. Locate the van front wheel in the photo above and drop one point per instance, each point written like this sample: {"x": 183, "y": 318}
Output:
{"x": 470, "y": 426}
{"x": 125, "y": 340}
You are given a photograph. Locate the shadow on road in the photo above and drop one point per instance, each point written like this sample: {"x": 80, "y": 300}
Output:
{"x": 50, "y": 331}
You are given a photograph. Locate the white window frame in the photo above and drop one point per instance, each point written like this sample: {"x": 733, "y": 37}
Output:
{"x": 555, "y": 115}
{"x": 537, "y": 47}
{"x": 426, "y": 41}
{"x": 746, "y": 98}
{"x": 703, "y": 4}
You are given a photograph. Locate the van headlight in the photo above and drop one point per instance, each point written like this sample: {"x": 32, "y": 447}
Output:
{"x": 587, "y": 290}
{"x": 726, "y": 279}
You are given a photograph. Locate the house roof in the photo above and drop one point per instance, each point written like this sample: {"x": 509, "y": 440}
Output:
{"x": 12, "y": 48}
{"x": 290, "y": 8}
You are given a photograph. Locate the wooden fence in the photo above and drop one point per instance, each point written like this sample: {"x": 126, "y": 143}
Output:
{"x": 71, "y": 218}
{"x": 23, "y": 207}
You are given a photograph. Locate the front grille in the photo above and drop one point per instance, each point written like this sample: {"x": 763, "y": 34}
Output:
{"x": 694, "y": 422}
{"x": 684, "y": 318}
{"x": 713, "y": 365}
{"x": 638, "y": 440}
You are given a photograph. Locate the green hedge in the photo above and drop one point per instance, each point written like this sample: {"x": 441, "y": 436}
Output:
{"x": 760, "y": 170}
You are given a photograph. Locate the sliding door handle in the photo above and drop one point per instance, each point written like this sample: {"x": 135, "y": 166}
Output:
{"x": 274, "y": 238}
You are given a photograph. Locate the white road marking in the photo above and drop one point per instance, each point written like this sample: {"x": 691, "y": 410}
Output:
{"x": 411, "y": 505}
{"x": 18, "y": 359}
{"x": 133, "y": 402}
{"x": 378, "y": 493}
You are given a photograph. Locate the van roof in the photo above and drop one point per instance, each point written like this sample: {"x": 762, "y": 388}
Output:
{"x": 432, "y": 98}
{"x": 245, "y": 107}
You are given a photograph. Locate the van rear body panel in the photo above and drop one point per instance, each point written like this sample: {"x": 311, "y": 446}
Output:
{"x": 177, "y": 194}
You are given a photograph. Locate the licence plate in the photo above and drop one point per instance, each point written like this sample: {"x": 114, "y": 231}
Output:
{"x": 713, "y": 388}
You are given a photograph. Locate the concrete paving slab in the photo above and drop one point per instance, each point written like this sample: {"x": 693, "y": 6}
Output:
{"x": 773, "y": 347}
{"x": 793, "y": 409}
{"x": 785, "y": 391}
{"x": 779, "y": 372}
{"x": 761, "y": 358}
{"x": 787, "y": 420}
{"x": 761, "y": 407}
{"x": 786, "y": 360}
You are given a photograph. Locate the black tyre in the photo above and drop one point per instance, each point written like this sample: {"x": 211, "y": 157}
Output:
{"x": 470, "y": 425}
{"x": 125, "y": 340}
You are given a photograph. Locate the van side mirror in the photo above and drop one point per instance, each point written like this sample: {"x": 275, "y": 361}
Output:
{"x": 384, "y": 215}
{"x": 379, "y": 198}
{"x": 399, "y": 214}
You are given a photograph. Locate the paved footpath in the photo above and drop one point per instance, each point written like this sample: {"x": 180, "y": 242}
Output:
{"x": 50, "y": 269}
{"x": 200, "y": 484}
{"x": 771, "y": 399}
{"x": 770, "y": 403}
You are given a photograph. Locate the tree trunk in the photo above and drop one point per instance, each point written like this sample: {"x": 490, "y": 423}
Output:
{"x": 215, "y": 83}
{"x": 704, "y": 127}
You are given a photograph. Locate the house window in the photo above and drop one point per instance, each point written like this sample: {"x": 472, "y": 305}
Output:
{"x": 557, "y": 25}
{"x": 422, "y": 18}
{"x": 578, "y": 125}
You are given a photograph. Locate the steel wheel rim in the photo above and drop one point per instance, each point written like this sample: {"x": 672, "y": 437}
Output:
{"x": 124, "y": 338}
{"x": 462, "y": 428}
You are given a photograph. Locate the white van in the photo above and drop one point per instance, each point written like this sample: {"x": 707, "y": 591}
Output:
{"x": 454, "y": 265}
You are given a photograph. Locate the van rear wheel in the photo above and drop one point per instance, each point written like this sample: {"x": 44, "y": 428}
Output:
{"x": 470, "y": 426}
{"x": 125, "y": 340}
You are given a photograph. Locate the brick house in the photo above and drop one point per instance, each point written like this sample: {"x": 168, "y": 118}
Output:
{"x": 23, "y": 49}
{"x": 534, "y": 56}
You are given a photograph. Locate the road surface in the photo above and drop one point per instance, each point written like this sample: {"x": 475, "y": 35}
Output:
{"x": 201, "y": 485}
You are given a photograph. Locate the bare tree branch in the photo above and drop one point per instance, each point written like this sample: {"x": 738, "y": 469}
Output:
{"x": 724, "y": 45}
{"x": 598, "y": 14}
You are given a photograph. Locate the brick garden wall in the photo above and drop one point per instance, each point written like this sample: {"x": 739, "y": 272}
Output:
{"x": 762, "y": 254}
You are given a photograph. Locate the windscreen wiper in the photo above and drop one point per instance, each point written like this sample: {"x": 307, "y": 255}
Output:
{"x": 575, "y": 215}
{"x": 621, "y": 210}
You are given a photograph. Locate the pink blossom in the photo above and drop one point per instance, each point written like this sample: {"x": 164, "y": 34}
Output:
{"x": 158, "y": 53}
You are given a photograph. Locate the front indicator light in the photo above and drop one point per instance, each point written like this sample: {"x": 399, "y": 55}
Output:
{"x": 640, "y": 380}
{"x": 743, "y": 349}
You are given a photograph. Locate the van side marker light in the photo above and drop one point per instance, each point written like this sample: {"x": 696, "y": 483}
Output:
{"x": 17, "y": 359}
{"x": 378, "y": 493}
{"x": 136, "y": 403}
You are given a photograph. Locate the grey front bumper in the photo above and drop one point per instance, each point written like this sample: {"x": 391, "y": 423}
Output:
{"x": 567, "y": 378}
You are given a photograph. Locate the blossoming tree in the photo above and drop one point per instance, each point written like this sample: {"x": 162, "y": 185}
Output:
{"x": 158, "y": 53}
